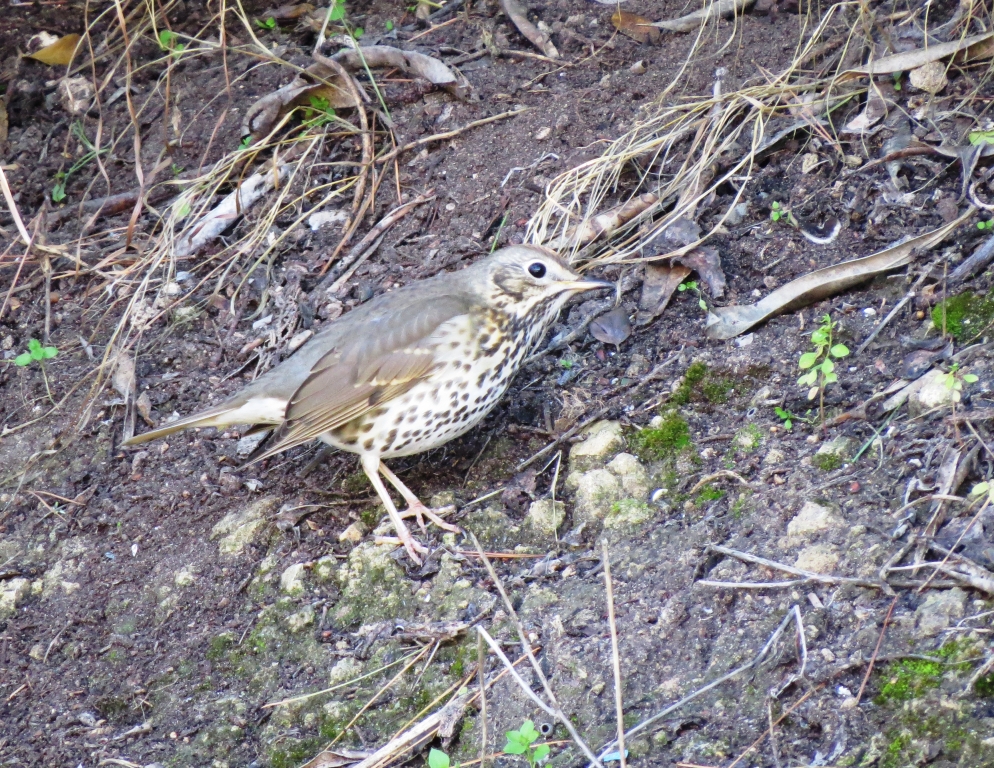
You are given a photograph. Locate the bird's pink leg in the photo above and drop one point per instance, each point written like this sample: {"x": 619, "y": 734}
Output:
{"x": 371, "y": 464}
{"x": 415, "y": 506}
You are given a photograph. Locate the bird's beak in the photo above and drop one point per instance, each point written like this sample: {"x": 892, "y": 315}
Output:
{"x": 586, "y": 284}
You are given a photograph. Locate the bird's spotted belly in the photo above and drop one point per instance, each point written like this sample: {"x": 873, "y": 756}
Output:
{"x": 432, "y": 413}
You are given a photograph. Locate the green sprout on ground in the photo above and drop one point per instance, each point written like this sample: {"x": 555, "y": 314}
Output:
{"x": 169, "y": 41}
{"x": 245, "y": 143}
{"x": 778, "y": 212}
{"x": 985, "y": 225}
{"x": 269, "y": 23}
{"x": 897, "y": 80}
{"x": 522, "y": 742}
{"x": 37, "y": 353}
{"x": 319, "y": 112}
{"x": 954, "y": 381}
{"x": 389, "y": 25}
{"x": 691, "y": 285}
{"x": 438, "y": 759}
{"x": 981, "y": 137}
{"x": 336, "y": 12}
{"x": 62, "y": 178}
{"x": 820, "y": 363}
{"x": 786, "y": 417}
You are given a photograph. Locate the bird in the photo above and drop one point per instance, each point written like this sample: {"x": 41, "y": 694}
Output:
{"x": 407, "y": 371}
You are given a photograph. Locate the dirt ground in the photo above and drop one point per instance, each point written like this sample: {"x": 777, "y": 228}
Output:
{"x": 161, "y": 606}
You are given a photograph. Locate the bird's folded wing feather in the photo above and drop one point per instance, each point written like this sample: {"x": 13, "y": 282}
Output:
{"x": 395, "y": 353}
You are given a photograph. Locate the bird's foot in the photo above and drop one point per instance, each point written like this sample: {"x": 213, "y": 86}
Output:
{"x": 420, "y": 511}
{"x": 414, "y": 547}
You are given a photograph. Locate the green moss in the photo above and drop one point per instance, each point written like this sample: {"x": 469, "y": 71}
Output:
{"x": 662, "y": 442}
{"x": 220, "y": 646}
{"x": 895, "y": 750}
{"x": 908, "y": 679}
{"x": 748, "y": 439}
{"x": 984, "y": 687}
{"x": 966, "y": 316}
{"x": 826, "y": 462}
{"x": 709, "y": 493}
{"x": 695, "y": 375}
{"x": 355, "y": 484}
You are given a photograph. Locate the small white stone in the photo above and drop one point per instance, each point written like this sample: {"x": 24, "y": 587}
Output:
{"x": 292, "y": 579}
{"x": 813, "y": 517}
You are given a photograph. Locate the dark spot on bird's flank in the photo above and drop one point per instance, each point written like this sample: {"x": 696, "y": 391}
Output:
{"x": 368, "y": 445}
{"x": 392, "y": 436}
{"x": 465, "y": 396}
{"x": 367, "y": 427}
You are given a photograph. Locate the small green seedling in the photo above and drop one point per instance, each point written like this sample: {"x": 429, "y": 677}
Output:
{"x": 389, "y": 25}
{"x": 318, "y": 113}
{"x": 820, "y": 363}
{"x": 567, "y": 364}
{"x": 983, "y": 489}
{"x": 169, "y": 41}
{"x": 522, "y": 742}
{"x": 357, "y": 33}
{"x": 37, "y": 353}
{"x": 337, "y": 11}
{"x": 954, "y": 381}
{"x": 981, "y": 137}
{"x": 245, "y": 143}
{"x": 269, "y": 23}
{"x": 786, "y": 416}
{"x": 62, "y": 177}
{"x": 176, "y": 169}
{"x": 438, "y": 759}
{"x": 985, "y": 225}
{"x": 778, "y": 212}
{"x": 691, "y": 285}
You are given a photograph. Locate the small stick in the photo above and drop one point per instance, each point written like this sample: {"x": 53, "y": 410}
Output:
{"x": 619, "y": 708}
{"x": 447, "y": 135}
{"x": 718, "y": 475}
{"x": 876, "y": 651}
{"x": 481, "y": 657}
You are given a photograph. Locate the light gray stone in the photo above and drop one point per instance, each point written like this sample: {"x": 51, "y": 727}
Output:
{"x": 603, "y": 440}
{"x": 237, "y": 529}
{"x": 14, "y": 592}
{"x": 812, "y": 518}
{"x": 628, "y": 513}
{"x": 819, "y": 558}
{"x": 634, "y": 477}
{"x": 596, "y": 491}
{"x": 939, "y": 611}
{"x": 292, "y": 580}
{"x": 545, "y": 516}
{"x": 300, "y": 620}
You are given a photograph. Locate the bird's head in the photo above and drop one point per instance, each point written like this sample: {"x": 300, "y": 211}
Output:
{"x": 527, "y": 278}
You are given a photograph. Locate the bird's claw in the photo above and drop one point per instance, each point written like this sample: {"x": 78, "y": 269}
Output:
{"x": 420, "y": 512}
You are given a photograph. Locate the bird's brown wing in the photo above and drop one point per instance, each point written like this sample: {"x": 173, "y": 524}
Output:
{"x": 390, "y": 356}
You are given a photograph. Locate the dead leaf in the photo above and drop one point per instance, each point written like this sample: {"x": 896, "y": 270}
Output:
{"x": 604, "y": 223}
{"x": 144, "y": 405}
{"x": 612, "y": 327}
{"x": 411, "y": 62}
{"x": 728, "y": 322}
{"x": 636, "y": 27}
{"x": 123, "y": 379}
{"x": 874, "y": 111}
{"x": 693, "y": 21}
{"x": 658, "y": 287}
{"x": 706, "y": 263}
{"x": 518, "y": 15}
{"x": 59, "y": 53}
{"x": 316, "y": 82}
{"x": 289, "y": 11}
{"x": 966, "y": 49}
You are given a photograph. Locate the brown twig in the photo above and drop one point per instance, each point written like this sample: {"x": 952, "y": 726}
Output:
{"x": 619, "y": 709}
{"x": 876, "y": 651}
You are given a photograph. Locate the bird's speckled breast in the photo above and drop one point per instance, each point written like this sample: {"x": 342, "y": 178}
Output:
{"x": 476, "y": 358}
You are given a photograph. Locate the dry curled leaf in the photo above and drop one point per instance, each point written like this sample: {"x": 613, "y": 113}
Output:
{"x": 966, "y": 49}
{"x": 706, "y": 263}
{"x": 604, "y": 224}
{"x": 289, "y": 11}
{"x": 693, "y": 21}
{"x": 658, "y": 287}
{"x": 59, "y": 53}
{"x": 612, "y": 327}
{"x": 636, "y": 27}
{"x": 729, "y": 322}
{"x": 317, "y": 82}
{"x": 411, "y": 62}
{"x": 518, "y": 15}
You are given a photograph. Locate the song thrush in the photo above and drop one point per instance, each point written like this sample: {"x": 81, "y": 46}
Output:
{"x": 409, "y": 370}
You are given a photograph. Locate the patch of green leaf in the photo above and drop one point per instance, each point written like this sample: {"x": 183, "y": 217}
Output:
{"x": 36, "y": 353}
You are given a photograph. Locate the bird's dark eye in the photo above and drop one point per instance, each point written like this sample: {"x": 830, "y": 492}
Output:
{"x": 536, "y": 269}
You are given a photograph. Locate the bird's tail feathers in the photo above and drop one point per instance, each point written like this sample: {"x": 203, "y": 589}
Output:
{"x": 214, "y": 417}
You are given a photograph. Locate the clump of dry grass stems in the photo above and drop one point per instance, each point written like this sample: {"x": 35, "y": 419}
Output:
{"x": 685, "y": 149}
